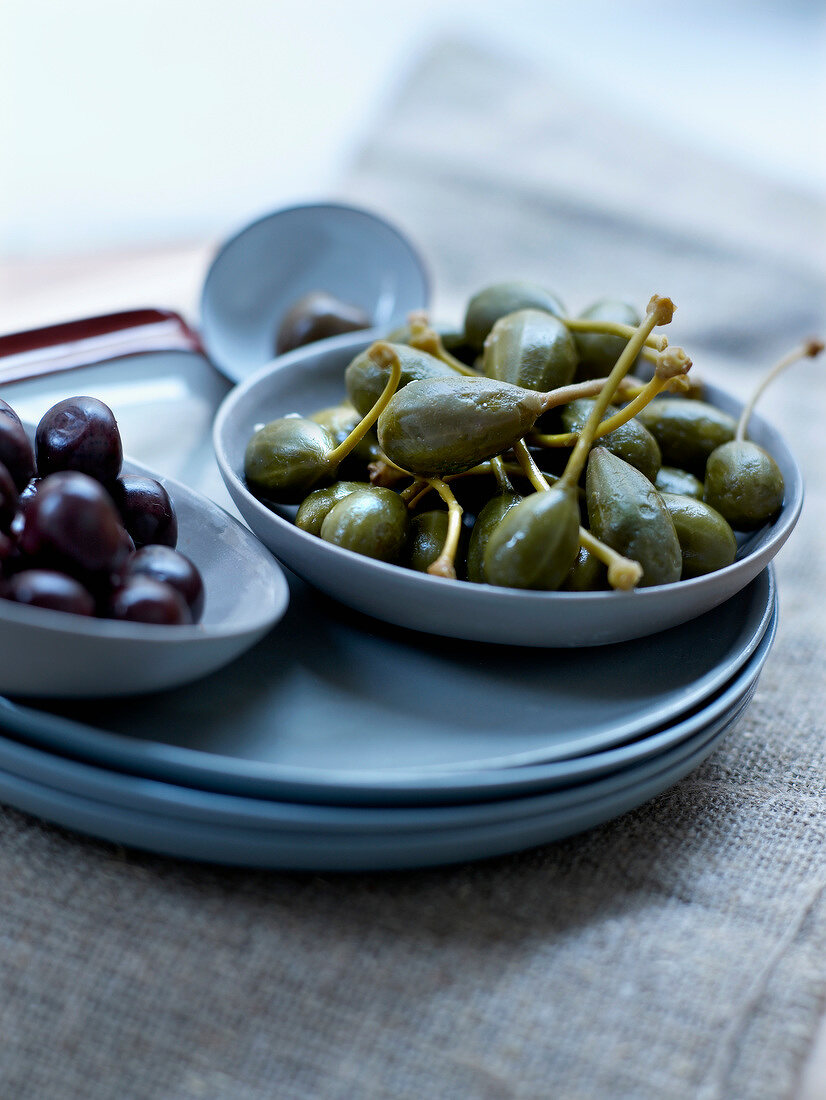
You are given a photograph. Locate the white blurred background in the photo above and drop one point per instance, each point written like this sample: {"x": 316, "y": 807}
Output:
{"x": 138, "y": 122}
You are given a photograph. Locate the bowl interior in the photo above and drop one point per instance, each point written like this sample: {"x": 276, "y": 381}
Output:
{"x": 261, "y": 271}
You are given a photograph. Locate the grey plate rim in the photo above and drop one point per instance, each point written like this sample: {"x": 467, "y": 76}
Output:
{"x": 483, "y": 787}
{"x": 383, "y": 851}
{"x": 236, "y": 775}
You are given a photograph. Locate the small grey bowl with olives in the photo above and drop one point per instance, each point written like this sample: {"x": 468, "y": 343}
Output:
{"x": 114, "y": 580}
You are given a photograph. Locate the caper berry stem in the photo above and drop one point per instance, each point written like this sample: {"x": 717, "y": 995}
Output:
{"x": 414, "y": 491}
{"x": 623, "y": 573}
{"x": 419, "y": 489}
{"x": 384, "y": 356}
{"x": 529, "y": 466}
{"x": 421, "y": 492}
{"x": 807, "y": 350}
{"x": 613, "y": 328}
{"x": 444, "y": 565}
{"x": 425, "y": 338}
{"x": 562, "y": 395}
{"x": 659, "y": 311}
{"x": 672, "y": 366}
{"x": 501, "y": 474}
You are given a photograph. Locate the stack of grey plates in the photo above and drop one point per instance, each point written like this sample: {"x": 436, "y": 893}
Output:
{"x": 386, "y": 724}
{"x": 340, "y": 743}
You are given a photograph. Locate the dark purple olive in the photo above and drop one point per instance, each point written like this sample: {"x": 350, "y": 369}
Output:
{"x": 29, "y": 489}
{"x": 162, "y": 563}
{"x": 16, "y": 452}
{"x": 71, "y": 524}
{"x": 147, "y": 512}
{"x": 125, "y": 553}
{"x": 9, "y": 553}
{"x": 27, "y": 495}
{"x": 103, "y": 582}
{"x": 315, "y": 317}
{"x": 145, "y": 600}
{"x": 80, "y": 433}
{"x": 8, "y": 499}
{"x": 7, "y": 410}
{"x": 47, "y": 588}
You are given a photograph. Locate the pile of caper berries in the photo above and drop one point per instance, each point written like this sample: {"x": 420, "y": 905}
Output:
{"x": 525, "y": 451}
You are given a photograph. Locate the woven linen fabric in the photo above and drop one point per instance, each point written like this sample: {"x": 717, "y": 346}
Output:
{"x": 677, "y": 951}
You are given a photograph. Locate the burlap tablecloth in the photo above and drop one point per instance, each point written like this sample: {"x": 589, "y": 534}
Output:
{"x": 678, "y": 951}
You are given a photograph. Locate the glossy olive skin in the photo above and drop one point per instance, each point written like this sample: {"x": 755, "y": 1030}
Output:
{"x": 47, "y": 588}
{"x": 530, "y": 348}
{"x": 486, "y": 522}
{"x": 71, "y": 525}
{"x": 626, "y": 512}
{"x": 671, "y": 480}
{"x": 372, "y": 522}
{"x": 8, "y": 411}
{"x": 9, "y": 498}
{"x": 163, "y": 563}
{"x": 447, "y": 425}
{"x": 485, "y": 308}
{"x": 287, "y": 458}
{"x": 10, "y": 557}
{"x": 316, "y": 316}
{"x": 315, "y": 508}
{"x": 426, "y": 537}
{"x": 340, "y": 420}
{"x": 80, "y": 433}
{"x": 631, "y": 441}
{"x": 147, "y": 512}
{"x": 744, "y": 483}
{"x": 365, "y": 379}
{"x": 587, "y": 574}
{"x": 687, "y": 431}
{"x": 536, "y": 543}
{"x": 16, "y": 452}
{"x": 146, "y": 600}
{"x": 598, "y": 351}
{"x": 707, "y": 542}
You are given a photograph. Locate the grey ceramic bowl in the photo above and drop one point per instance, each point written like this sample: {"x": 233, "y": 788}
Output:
{"x": 55, "y": 654}
{"x": 258, "y": 274}
{"x": 311, "y": 378}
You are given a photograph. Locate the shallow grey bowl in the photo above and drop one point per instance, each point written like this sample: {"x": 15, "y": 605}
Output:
{"x": 258, "y": 274}
{"x": 55, "y": 654}
{"x": 311, "y": 378}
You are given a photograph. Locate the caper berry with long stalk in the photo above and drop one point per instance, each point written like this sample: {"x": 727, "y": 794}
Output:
{"x": 290, "y": 456}
{"x": 623, "y": 573}
{"x": 536, "y": 543}
{"x": 742, "y": 481}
